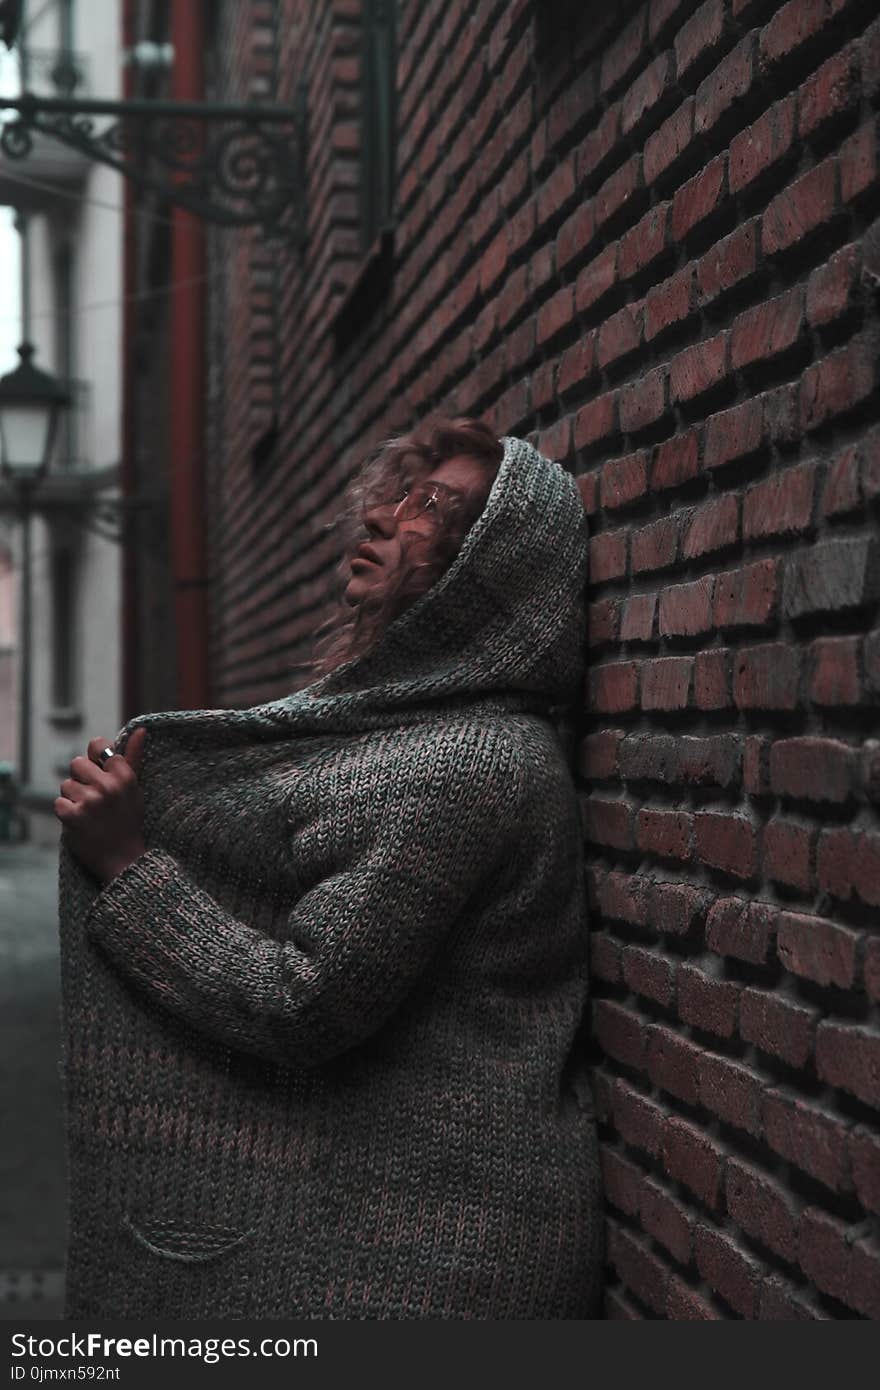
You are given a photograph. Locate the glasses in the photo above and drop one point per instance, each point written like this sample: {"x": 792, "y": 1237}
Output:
{"x": 433, "y": 500}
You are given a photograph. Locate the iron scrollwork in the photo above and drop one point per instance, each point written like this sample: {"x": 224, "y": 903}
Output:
{"x": 236, "y": 166}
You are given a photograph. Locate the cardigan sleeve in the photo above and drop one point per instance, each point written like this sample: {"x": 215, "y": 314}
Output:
{"x": 358, "y": 941}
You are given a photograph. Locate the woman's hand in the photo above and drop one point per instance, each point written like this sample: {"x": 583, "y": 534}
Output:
{"x": 101, "y": 808}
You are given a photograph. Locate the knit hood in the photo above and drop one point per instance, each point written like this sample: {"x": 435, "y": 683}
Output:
{"x": 504, "y": 624}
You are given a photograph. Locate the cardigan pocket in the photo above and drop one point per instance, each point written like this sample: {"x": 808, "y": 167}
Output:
{"x": 193, "y": 1244}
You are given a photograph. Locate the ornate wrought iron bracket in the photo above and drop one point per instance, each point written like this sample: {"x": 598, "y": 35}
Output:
{"x": 233, "y": 165}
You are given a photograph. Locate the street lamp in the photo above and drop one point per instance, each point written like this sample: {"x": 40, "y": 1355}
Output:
{"x": 30, "y": 403}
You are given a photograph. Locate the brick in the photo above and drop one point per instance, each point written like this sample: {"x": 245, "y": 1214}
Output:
{"x": 728, "y": 1270}
{"x": 645, "y": 92}
{"x": 793, "y": 25}
{"x": 598, "y": 755}
{"x": 684, "y": 1304}
{"x": 871, "y": 968}
{"x": 624, "y": 481}
{"x": 648, "y": 974}
{"x": 762, "y": 1207}
{"x": 837, "y": 384}
{"x": 848, "y": 865}
{"x": 817, "y": 949}
{"x": 666, "y": 146}
{"x": 715, "y": 761}
{"x": 637, "y": 621}
{"x": 781, "y": 504}
{"x": 692, "y": 1158}
{"x": 666, "y": 683}
{"x": 621, "y": 56}
{"x": 825, "y": 1254}
{"x": 620, "y": 335}
{"x": 711, "y": 527}
{"x": 698, "y": 198}
{"x": 787, "y": 854}
{"x": 755, "y": 776}
{"x": 871, "y": 659}
{"x": 778, "y": 1026}
{"x": 614, "y": 688}
{"x": 767, "y": 676}
{"x": 706, "y": 1003}
{"x": 698, "y": 39}
{"x": 639, "y": 1268}
{"x": 607, "y": 556}
{"x": 686, "y": 609}
{"x": 731, "y": 1091}
{"x": 619, "y": 1032}
{"x": 698, "y": 369}
{"x": 621, "y": 1180}
{"x": 644, "y": 242}
{"x": 675, "y": 909}
{"x": 650, "y": 757}
{"x": 618, "y": 1308}
{"x": 655, "y": 546}
{"x": 622, "y": 898}
{"x": 675, "y": 461}
{"x": 596, "y": 279}
{"x": 638, "y": 1120}
{"x": 802, "y": 208}
{"x": 805, "y": 1134}
{"x": 742, "y": 928}
{"x": 598, "y": 145}
{"x": 672, "y": 1063}
{"x": 727, "y": 842}
{"x": 848, "y": 1056}
{"x": 842, "y": 493}
{"x": 596, "y": 420}
{"x": 617, "y": 190}
{"x": 643, "y": 403}
{"x": 865, "y": 1278}
{"x": 712, "y": 679}
{"x": 669, "y": 303}
{"x": 577, "y": 231}
{"x": 665, "y": 833}
{"x": 576, "y": 365}
{"x": 608, "y": 822}
{"x": 730, "y": 262}
{"x": 782, "y": 1302}
{"x": 814, "y": 769}
{"x": 832, "y": 577}
{"x": 729, "y": 83}
{"x": 747, "y": 597}
{"x": 666, "y": 1219}
{"x": 555, "y": 315}
{"x": 858, "y": 163}
{"x": 832, "y": 289}
{"x": 780, "y": 415}
{"x": 864, "y": 1156}
{"x": 734, "y": 434}
{"x": 767, "y": 330}
{"x": 602, "y": 621}
{"x": 604, "y": 957}
{"x": 757, "y": 148}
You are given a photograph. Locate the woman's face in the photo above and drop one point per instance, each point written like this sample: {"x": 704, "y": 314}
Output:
{"x": 387, "y": 532}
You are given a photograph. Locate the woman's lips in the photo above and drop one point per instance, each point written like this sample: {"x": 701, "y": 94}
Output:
{"x": 365, "y": 555}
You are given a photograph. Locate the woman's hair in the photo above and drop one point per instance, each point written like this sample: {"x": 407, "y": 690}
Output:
{"x": 351, "y": 630}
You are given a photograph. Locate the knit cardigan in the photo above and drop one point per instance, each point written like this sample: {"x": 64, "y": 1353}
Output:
{"x": 322, "y": 1053}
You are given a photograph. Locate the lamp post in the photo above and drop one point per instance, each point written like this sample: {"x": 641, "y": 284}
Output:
{"x": 31, "y": 401}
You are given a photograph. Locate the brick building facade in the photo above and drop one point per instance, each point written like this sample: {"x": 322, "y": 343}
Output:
{"x": 643, "y": 236}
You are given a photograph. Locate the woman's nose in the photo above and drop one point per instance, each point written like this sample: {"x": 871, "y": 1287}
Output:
{"x": 381, "y": 518}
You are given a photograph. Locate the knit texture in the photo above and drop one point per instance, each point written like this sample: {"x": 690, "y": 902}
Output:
{"x": 322, "y": 1051}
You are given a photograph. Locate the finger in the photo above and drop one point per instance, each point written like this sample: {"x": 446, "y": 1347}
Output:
{"x": 82, "y": 769}
{"x": 75, "y": 792}
{"x": 63, "y": 808}
{"x": 134, "y": 749}
{"x": 96, "y": 748}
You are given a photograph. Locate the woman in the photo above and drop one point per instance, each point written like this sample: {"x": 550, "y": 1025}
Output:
{"x": 324, "y": 959}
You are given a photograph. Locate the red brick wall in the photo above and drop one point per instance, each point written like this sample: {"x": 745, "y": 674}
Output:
{"x": 646, "y": 241}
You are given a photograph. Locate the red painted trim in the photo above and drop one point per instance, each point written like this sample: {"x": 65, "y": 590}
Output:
{"x": 129, "y": 613}
{"x": 187, "y": 366}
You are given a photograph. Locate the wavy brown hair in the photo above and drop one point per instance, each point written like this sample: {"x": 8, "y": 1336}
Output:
{"x": 351, "y": 630}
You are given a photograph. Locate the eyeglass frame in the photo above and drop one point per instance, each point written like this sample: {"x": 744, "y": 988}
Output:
{"x": 438, "y": 489}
